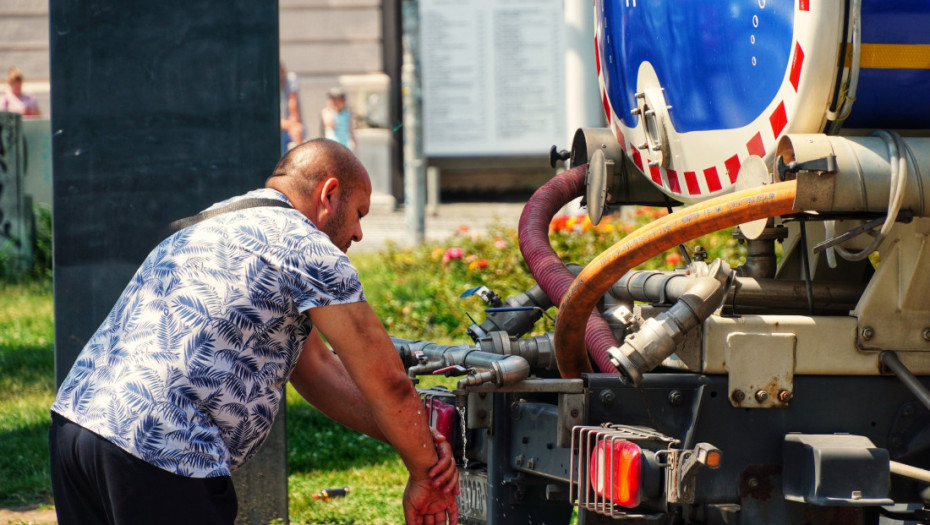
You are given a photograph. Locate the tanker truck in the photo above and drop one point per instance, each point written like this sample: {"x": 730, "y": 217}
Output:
{"x": 782, "y": 389}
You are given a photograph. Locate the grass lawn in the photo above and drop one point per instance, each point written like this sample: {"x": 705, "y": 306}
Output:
{"x": 27, "y": 380}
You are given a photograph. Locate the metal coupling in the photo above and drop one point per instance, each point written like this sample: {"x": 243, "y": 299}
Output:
{"x": 658, "y": 337}
{"x": 539, "y": 351}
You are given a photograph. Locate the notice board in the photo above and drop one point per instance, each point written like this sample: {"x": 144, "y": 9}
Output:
{"x": 493, "y": 79}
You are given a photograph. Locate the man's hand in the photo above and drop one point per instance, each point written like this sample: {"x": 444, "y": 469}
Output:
{"x": 372, "y": 364}
{"x": 434, "y": 503}
{"x": 444, "y": 475}
{"x": 426, "y": 505}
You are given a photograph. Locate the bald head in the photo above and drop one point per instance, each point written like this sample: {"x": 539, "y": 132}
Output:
{"x": 327, "y": 184}
{"x": 304, "y": 168}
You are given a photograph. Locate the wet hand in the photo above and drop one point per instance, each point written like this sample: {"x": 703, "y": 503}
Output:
{"x": 425, "y": 505}
{"x": 444, "y": 475}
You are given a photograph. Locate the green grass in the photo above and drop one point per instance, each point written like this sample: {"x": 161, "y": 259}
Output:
{"x": 323, "y": 454}
{"x": 26, "y": 386}
{"x": 414, "y": 291}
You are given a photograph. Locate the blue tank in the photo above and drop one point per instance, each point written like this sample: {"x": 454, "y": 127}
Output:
{"x": 692, "y": 89}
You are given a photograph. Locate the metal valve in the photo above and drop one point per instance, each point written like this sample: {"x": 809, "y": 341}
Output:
{"x": 485, "y": 294}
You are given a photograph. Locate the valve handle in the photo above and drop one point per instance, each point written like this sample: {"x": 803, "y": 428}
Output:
{"x": 555, "y": 155}
{"x": 452, "y": 371}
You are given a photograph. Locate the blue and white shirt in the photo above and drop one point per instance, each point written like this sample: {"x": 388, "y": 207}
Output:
{"x": 188, "y": 369}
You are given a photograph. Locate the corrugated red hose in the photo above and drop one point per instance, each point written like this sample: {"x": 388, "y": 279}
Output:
{"x": 550, "y": 272}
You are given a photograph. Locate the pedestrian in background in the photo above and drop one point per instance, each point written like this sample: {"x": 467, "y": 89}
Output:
{"x": 292, "y": 127}
{"x": 336, "y": 119}
{"x": 14, "y": 99}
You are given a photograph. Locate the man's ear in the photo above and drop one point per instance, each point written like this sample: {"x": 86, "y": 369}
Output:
{"x": 329, "y": 194}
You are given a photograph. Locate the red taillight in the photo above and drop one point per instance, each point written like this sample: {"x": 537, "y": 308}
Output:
{"x": 615, "y": 471}
{"x": 441, "y": 417}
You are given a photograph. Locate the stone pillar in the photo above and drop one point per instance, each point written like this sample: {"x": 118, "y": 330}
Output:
{"x": 160, "y": 108}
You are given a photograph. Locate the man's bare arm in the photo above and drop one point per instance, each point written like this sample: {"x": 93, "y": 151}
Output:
{"x": 369, "y": 357}
{"x": 372, "y": 363}
{"x": 323, "y": 381}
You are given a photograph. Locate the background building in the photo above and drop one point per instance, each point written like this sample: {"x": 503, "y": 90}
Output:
{"x": 356, "y": 44}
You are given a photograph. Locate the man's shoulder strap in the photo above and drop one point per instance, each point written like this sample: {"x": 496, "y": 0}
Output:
{"x": 242, "y": 204}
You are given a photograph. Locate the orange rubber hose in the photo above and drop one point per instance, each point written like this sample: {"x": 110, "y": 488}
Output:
{"x": 647, "y": 242}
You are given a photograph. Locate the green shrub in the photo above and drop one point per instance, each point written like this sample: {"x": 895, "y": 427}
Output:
{"x": 40, "y": 267}
{"x": 42, "y": 246}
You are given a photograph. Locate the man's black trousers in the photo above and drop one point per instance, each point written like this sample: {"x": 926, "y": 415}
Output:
{"x": 95, "y": 481}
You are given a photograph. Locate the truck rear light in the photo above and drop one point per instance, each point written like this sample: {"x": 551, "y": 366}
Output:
{"x": 619, "y": 471}
{"x": 632, "y": 472}
{"x": 616, "y": 471}
{"x": 442, "y": 414}
{"x": 442, "y": 417}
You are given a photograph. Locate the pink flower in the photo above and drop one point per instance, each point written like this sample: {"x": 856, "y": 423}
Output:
{"x": 500, "y": 244}
{"x": 452, "y": 253}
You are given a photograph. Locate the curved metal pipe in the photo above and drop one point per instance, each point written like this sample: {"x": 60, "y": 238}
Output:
{"x": 649, "y": 241}
{"x": 658, "y": 337}
{"x": 515, "y": 323}
{"x": 549, "y": 270}
{"x": 760, "y": 259}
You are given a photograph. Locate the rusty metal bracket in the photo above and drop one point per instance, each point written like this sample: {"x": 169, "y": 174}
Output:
{"x": 761, "y": 369}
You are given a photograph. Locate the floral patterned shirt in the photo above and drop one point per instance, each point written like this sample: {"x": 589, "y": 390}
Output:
{"x": 189, "y": 368}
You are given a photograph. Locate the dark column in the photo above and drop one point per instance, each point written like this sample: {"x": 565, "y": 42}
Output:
{"x": 392, "y": 58}
{"x": 159, "y": 109}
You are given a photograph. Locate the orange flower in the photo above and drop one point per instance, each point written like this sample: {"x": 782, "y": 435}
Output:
{"x": 478, "y": 264}
{"x": 558, "y": 223}
{"x": 586, "y": 223}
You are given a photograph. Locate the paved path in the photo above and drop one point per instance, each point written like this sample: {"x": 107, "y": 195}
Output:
{"x": 381, "y": 225}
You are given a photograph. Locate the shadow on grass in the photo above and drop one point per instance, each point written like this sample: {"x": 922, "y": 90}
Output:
{"x": 315, "y": 442}
{"x": 24, "y": 470}
{"x": 26, "y": 389}
{"x": 24, "y": 368}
